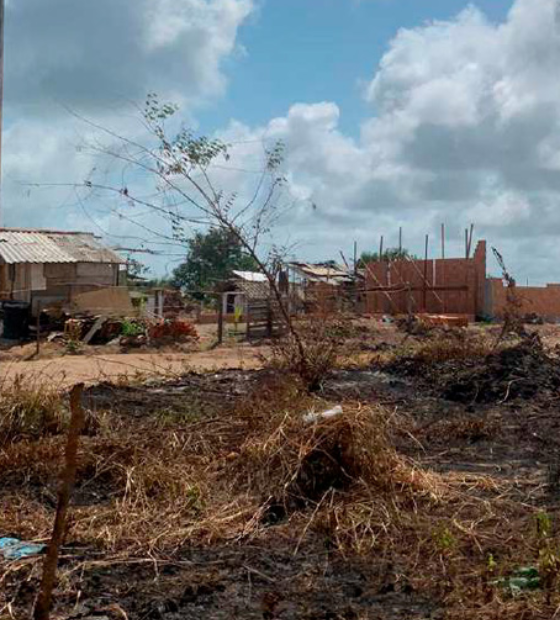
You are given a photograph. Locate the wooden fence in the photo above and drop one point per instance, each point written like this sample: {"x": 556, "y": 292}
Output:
{"x": 264, "y": 320}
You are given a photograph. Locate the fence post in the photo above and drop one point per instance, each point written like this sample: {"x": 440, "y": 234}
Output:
{"x": 269, "y": 319}
{"x": 248, "y": 317}
{"x": 220, "y": 318}
{"x": 44, "y": 599}
{"x": 38, "y": 328}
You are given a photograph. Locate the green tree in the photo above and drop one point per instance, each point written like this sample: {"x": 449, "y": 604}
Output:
{"x": 390, "y": 254}
{"x": 211, "y": 257}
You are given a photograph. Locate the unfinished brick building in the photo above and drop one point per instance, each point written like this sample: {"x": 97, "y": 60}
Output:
{"x": 436, "y": 286}
{"x": 544, "y": 301}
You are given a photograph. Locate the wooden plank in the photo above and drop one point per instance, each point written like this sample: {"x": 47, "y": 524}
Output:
{"x": 94, "y": 329}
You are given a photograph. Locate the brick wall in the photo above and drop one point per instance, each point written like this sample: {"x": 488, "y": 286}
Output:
{"x": 460, "y": 285}
{"x": 542, "y": 300}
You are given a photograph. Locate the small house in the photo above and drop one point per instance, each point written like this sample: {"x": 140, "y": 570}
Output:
{"x": 47, "y": 266}
{"x": 242, "y": 287}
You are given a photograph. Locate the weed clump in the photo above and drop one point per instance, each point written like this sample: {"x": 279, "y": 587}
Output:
{"x": 295, "y": 462}
{"x": 322, "y": 340}
{"x": 30, "y": 411}
{"x": 444, "y": 345}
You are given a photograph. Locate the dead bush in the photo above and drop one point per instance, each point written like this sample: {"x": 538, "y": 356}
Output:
{"x": 452, "y": 344}
{"x": 295, "y": 462}
{"x": 323, "y": 338}
{"x": 30, "y": 411}
{"x": 441, "y": 346}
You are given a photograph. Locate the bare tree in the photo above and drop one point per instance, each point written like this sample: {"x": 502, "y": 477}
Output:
{"x": 513, "y": 319}
{"x": 183, "y": 166}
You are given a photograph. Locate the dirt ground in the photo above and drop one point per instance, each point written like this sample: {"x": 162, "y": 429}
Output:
{"x": 169, "y": 521}
{"x": 54, "y": 365}
{"x": 70, "y": 369}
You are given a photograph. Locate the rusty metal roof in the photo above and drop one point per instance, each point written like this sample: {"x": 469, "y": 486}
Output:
{"x": 250, "y": 276}
{"x": 20, "y": 245}
{"x": 322, "y": 271}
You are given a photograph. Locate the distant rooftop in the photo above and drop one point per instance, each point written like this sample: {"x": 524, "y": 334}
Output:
{"x": 250, "y": 276}
{"x": 35, "y": 245}
{"x": 322, "y": 271}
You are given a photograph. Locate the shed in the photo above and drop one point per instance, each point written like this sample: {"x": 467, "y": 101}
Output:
{"x": 47, "y": 266}
{"x": 242, "y": 287}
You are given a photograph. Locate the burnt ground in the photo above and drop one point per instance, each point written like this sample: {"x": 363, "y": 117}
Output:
{"x": 247, "y": 581}
{"x": 510, "y": 437}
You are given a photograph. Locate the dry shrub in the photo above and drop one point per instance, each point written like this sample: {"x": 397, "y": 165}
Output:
{"x": 451, "y": 344}
{"x": 293, "y": 463}
{"x": 337, "y": 478}
{"x": 322, "y": 339}
{"x": 30, "y": 410}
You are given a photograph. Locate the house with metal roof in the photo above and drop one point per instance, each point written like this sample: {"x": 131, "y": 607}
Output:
{"x": 240, "y": 288}
{"x": 45, "y": 266}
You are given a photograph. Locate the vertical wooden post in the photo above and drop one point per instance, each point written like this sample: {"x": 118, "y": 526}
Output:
{"x": 466, "y": 243}
{"x": 425, "y": 287}
{"x": 38, "y": 350}
{"x": 269, "y": 327}
{"x": 248, "y": 318}
{"x": 44, "y": 600}
{"x": 220, "y": 318}
{"x": 443, "y": 267}
{"x": 381, "y": 249}
{"x": 400, "y": 239}
{"x": 355, "y": 257}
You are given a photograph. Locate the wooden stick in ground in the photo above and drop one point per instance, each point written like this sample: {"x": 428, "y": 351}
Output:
{"x": 44, "y": 600}
{"x": 38, "y": 329}
{"x": 221, "y": 301}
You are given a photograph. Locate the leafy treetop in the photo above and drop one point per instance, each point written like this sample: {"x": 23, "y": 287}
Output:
{"x": 390, "y": 254}
{"x": 211, "y": 257}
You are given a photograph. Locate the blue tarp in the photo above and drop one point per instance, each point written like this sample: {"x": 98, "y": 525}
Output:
{"x": 14, "y": 549}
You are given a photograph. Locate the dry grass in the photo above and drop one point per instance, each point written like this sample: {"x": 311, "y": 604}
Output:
{"x": 443, "y": 345}
{"x": 148, "y": 487}
{"x": 294, "y": 462}
{"x": 30, "y": 411}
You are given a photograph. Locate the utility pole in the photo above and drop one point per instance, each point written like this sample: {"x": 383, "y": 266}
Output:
{"x": 2, "y": 15}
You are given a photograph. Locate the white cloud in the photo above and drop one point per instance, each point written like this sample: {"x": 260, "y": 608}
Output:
{"x": 464, "y": 123}
{"x": 92, "y": 53}
{"x": 465, "y": 126}
{"x": 97, "y": 57}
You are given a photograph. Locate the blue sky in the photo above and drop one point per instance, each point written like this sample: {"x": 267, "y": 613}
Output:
{"x": 393, "y": 113}
{"x": 320, "y": 50}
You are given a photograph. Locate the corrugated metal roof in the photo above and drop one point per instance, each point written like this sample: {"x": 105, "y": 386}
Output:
{"x": 321, "y": 270}
{"x": 250, "y": 276}
{"x": 29, "y": 247}
{"x": 39, "y": 246}
{"x": 85, "y": 248}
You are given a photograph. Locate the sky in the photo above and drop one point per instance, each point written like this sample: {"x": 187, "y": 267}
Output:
{"x": 393, "y": 113}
